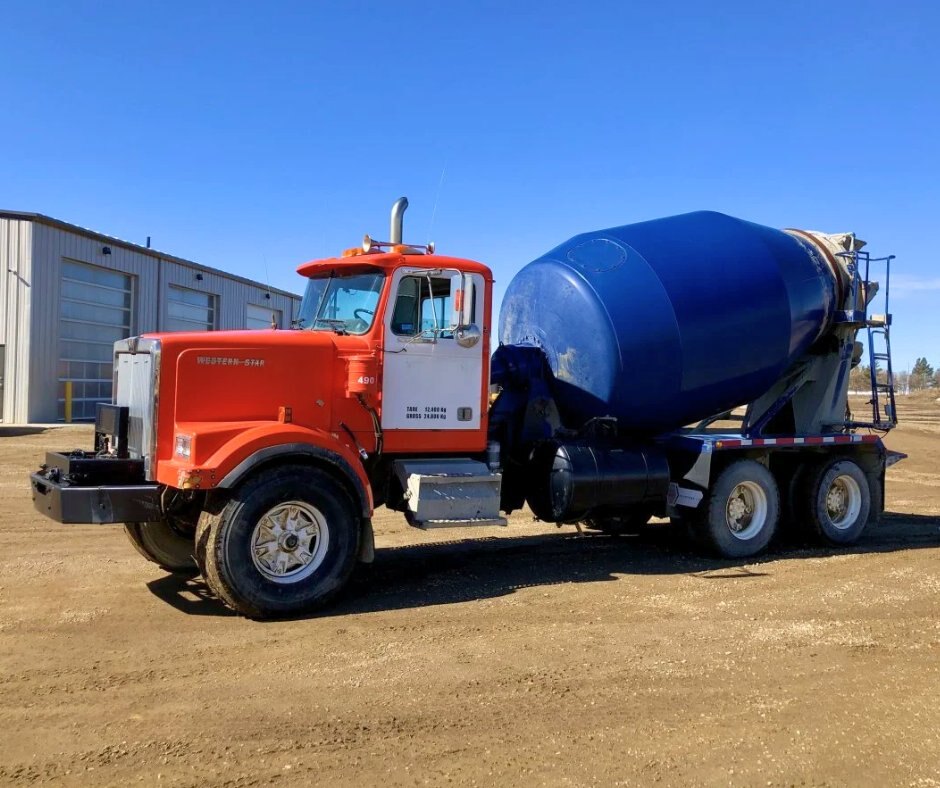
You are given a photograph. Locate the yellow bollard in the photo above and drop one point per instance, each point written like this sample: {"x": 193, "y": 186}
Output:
{"x": 68, "y": 402}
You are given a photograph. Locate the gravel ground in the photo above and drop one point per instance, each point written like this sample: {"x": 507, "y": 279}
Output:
{"x": 521, "y": 655}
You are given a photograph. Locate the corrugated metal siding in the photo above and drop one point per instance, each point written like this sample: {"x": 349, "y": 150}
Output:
{"x": 232, "y": 297}
{"x": 15, "y": 292}
{"x": 50, "y": 245}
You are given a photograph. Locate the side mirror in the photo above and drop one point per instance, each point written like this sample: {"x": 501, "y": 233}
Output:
{"x": 466, "y": 333}
{"x": 467, "y": 336}
{"x": 461, "y": 292}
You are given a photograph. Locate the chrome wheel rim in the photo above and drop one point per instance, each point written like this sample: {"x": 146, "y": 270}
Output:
{"x": 843, "y": 502}
{"x": 289, "y": 542}
{"x": 746, "y": 510}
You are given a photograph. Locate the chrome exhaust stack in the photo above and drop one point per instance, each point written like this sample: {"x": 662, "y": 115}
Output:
{"x": 398, "y": 215}
{"x": 369, "y": 244}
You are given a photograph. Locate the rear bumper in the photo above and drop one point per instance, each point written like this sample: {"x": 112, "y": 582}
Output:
{"x": 69, "y": 504}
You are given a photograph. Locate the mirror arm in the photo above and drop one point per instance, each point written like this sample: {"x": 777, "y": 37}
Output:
{"x": 433, "y": 310}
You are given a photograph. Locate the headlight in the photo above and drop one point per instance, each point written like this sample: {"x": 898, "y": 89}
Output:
{"x": 183, "y": 445}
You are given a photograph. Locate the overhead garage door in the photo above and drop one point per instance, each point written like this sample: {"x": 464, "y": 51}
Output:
{"x": 190, "y": 310}
{"x": 260, "y": 316}
{"x": 95, "y": 311}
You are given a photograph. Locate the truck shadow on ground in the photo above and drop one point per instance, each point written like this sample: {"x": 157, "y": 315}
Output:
{"x": 464, "y": 570}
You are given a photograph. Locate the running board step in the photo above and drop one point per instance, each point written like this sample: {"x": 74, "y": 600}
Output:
{"x": 460, "y": 523}
{"x": 449, "y": 492}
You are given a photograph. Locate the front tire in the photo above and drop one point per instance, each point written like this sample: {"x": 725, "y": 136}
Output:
{"x": 836, "y": 501}
{"x": 160, "y": 544}
{"x": 741, "y": 513}
{"x": 284, "y": 544}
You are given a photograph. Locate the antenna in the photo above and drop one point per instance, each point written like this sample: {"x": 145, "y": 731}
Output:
{"x": 437, "y": 197}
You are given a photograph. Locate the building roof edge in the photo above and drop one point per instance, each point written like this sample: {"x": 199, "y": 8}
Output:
{"x": 74, "y": 228}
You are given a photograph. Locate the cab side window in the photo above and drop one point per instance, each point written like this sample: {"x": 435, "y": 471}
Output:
{"x": 435, "y": 308}
{"x": 421, "y": 306}
{"x": 405, "y": 314}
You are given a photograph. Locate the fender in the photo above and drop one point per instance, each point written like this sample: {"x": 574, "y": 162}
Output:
{"x": 250, "y": 448}
{"x": 303, "y": 450}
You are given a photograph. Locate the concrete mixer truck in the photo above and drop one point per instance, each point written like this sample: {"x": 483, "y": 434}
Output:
{"x": 693, "y": 368}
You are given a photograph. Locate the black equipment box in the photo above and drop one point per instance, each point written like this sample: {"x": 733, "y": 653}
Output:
{"x": 83, "y": 469}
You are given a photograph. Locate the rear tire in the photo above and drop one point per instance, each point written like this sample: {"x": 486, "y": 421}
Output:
{"x": 160, "y": 544}
{"x": 740, "y": 513}
{"x": 285, "y": 543}
{"x": 836, "y": 501}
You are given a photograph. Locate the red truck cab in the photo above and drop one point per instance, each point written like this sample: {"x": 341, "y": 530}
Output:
{"x": 259, "y": 456}
{"x": 380, "y": 361}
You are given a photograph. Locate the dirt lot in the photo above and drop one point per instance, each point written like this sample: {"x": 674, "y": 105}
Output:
{"x": 530, "y": 656}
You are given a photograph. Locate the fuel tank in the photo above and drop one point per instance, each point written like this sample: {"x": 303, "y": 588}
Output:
{"x": 666, "y": 322}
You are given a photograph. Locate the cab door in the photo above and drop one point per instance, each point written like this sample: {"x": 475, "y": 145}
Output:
{"x": 434, "y": 352}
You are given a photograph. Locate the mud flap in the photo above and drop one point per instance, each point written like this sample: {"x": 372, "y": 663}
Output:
{"x": 367, "y": 543}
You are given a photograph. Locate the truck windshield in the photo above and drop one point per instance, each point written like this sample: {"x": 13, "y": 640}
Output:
{"x": 344, "y": 304}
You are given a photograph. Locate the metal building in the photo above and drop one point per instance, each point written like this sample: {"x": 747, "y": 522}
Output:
{"x": 67, "y": 294}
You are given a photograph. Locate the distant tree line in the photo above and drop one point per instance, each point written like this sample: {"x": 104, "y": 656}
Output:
{"x": 921, "y": 376}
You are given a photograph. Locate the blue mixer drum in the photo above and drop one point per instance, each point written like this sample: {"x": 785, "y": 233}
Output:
{"x": 666, "y": 322}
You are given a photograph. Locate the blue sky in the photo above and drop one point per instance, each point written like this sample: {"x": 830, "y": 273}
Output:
{"x": 251, "y": 136}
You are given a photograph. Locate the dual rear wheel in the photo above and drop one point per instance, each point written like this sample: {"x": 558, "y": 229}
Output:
{"x": 836, "y": 502}
{"x": 831, "y": 499}
{"x": 739, "y": 515}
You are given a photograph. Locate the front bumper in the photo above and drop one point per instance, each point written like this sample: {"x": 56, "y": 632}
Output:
{"x": 64, "y": 503}
{"x": 73, "y": 490}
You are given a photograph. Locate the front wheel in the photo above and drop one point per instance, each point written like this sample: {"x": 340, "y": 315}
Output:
{"x": 836, "y": 501}
{"x": 285, "y": 543}
{"x": 740, "y": 515}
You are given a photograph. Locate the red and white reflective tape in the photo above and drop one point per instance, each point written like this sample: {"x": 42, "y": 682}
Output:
{"x": 809, "y": 440}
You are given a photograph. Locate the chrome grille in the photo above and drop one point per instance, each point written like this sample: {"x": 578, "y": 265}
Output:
{"x": 136, "y": 373}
